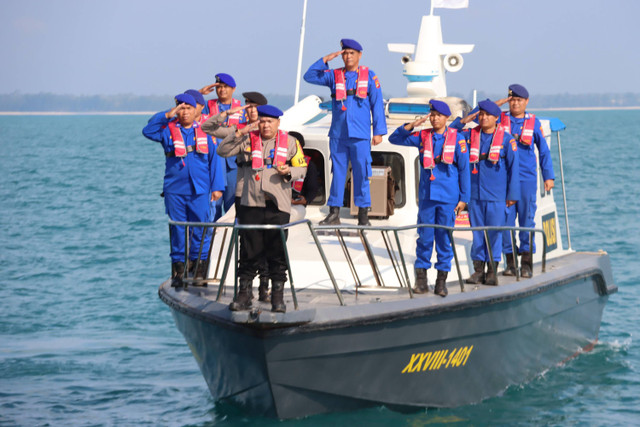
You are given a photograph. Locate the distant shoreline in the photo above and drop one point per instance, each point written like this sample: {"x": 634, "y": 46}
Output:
{"x": 150, "y": 113}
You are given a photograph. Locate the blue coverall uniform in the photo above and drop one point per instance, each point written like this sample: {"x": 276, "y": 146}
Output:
{"x": 229, "y": 193}
{"x": 437, "y": 199}
{"x": 350, "y": 132}
{"x": 188, "y": 183}
{"x": 526, "y": 206}
{"x": 491, "y": 187}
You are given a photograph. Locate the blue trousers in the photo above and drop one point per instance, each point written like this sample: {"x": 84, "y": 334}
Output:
{"x": 224, "y": 203}
{"x": 486, "y": 213}
{"x": 193, "y": 208}
{"x": 431, "y": 212}
{"x": 358, "y": 151}
{"x": 525, "y": 208}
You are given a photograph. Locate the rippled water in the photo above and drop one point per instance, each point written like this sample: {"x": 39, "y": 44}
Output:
{"x": 84, "y": 339}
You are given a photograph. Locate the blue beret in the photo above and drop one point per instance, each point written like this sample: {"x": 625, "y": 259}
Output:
{"x": 490, "y": 107}
{"x": 269, "y": 111}
{"x": 440, "y": 106}
{"x": 226, "y": 79}
{"x": 186, "y": 98}
{"x": 196, "y": 95}
{"x": 519, "y": 91}
{"x": 351, "y": 44}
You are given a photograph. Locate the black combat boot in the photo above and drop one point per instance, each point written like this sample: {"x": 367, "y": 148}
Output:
{"x": 363, "y": 216}
{"x": 242, "y": 301}
{"x": 478, "y": 273}
{"x": 441, "y": 284}
{"x": 177, "y": 271}
{"x": 492, "y": 277}
{"x": 263, "y": 289}
{"x": 510, "y": 270}
{"x": 201, "y": 272}
{"x": 277, "y": 297}
{"x": 526, "y": 269}
{"x": 333, "y": 218}
{"x": 422, "y": 283}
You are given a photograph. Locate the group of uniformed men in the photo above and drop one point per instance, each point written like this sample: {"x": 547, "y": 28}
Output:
{"x": 221, "y": 154}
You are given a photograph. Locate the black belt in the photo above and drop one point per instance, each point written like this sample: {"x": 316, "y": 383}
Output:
{"x": 190, "y": 149}
{"x": 350, "y": 92}
{"x": 485, "y": 156}
{"x": 267, "y": 162}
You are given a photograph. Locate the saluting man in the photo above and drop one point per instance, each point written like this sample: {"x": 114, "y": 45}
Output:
{"x": 494, "y": 182}
{"x": 200, "y": 104}
{"x": 527, "y": 130}
{"x": 225, "y": 86}
{"x": 268, "y": 161}
{"x": 194, "y": 175}
{"x": 443, "y": 191}
{"x": 357, "y": 103}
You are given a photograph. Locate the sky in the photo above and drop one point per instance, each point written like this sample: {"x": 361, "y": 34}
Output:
{"x": 145, "y": 47}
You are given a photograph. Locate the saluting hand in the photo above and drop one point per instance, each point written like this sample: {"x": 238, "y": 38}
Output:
{"x": 416, "y": 123}
{"x": 174, "y": 110}
{"x": 208, "y": 89}
{"x": 248, "y": 128}
{"x": 331, "y": 56}
{"x": 232, "y": 111}
{"x": 503, "y": 101}
{"x": 470, "y": 117}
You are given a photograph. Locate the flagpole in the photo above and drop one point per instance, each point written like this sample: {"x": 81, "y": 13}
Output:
{"x": 304, "y": 17}
{"x": 431, "y": 13}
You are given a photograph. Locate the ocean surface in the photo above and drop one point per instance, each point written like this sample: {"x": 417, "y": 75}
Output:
{"x": 84, "y": 339}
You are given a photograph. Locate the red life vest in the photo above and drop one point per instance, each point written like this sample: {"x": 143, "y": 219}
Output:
{"x": 448, "y": 149}
{"x": 179, "y": 147}
{"x": 361, "y": 88}
{"x": 528, "y": 127}
{"x": 496, "y": 145}
{"x": 298, "y": 183}
{"x": 233, "y": 119}
{"x": 280, "y": 157}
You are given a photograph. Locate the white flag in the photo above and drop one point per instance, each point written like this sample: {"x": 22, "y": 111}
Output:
{"x": 449, "y": 4}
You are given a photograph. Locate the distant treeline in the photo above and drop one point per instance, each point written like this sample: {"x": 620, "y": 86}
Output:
{"x": 49, "y": 102}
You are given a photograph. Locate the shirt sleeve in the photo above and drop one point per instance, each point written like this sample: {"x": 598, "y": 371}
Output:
{"x": 377, "y": 105}
{"x": 544, "y": 154}
{"x": 318, "y": 74}
{"x": 464, "y": 177}
{"x": 510, "y": 147}
{"x": 154, "y": 130}
{"x": 401, "y": 136}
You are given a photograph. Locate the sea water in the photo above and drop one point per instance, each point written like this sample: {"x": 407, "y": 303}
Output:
{"x": 84, "y": 339}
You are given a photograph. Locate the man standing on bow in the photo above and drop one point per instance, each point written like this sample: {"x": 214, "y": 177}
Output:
{"x": 443, "y": 191}
{"x": 357, "y": 102}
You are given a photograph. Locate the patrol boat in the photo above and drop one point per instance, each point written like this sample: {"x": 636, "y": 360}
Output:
{"x": 354, "y": 335}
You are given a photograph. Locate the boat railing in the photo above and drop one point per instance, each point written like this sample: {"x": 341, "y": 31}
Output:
{"x": 394, "y": 254}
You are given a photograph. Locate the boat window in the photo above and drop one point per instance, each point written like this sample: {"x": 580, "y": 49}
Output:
{"x": 396, "y": 162}
{"x": 318, "y": 161}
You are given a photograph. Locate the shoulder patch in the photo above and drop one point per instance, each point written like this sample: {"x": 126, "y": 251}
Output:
{"x": 514, "y": 145}
{"x": 463, "y": 145}
{"x": 298, "y": 159}
{"x": 376, "y": 81}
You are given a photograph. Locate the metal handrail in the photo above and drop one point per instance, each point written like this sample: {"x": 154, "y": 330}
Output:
{"x": 362, "y": 231}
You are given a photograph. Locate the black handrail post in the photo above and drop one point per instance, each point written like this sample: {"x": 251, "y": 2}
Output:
{"x": 224, "y": 240}
{"x": 286, "y": 256}
{"x": 225, "y": 269}
{"x": 455, "y": 256}
{"x": 404, "y": 265}
{"x": 326, "y": 262}
{"x": 512, "y": 234}
{"x": 493, "y": 265}
{"x": 186, "y": 256}
{"x": 544, "y": 252}
{"x": 347, "y": 256}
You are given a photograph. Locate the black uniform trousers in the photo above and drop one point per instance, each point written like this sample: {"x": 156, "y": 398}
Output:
{"x": 259, "y": 245}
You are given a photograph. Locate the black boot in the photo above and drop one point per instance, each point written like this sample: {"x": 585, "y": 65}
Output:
{"x": 177, "y": 271}
{"x": 478, "y": 273}
{"x": 492, "y": 277}
{"x": 526, "y": 269}
{"x": 277, "y": 297}
{"x": 363, "y": 216}
{"x": 242, "y": 301}
{"x": 510, "y": 270}
{"x": 422, "y": 283}
{"x": 201, "y": 272}
{"x": 263, "y": 289}
{"x": 333, "y": 218}
{"x": 441, "y": 284}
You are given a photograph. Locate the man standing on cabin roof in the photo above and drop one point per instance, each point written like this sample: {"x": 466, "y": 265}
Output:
{"x": 494, "y": 183}
{"x": 268, "y": 161}
{"x": 443, "y": 191}
{"x": 357, "y": 101}
{"x": 224, "y": 86}
{"x": 194, "y": 175}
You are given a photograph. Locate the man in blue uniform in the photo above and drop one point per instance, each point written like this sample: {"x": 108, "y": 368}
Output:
{"x": 357, "y": 102}
{"x": 527, "y": 130}
{"x": 194, "y": 175}
{"x": 225, "y": 86}
{"x": 494, "y": 183}
{"x": 443, "y": 192}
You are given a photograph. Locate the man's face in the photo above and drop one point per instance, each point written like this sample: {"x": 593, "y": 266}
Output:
{"x": 351, "y": 58}
{"x": 251, "y": 111}
{"x": 438, "y": 120}
{"x": 268, "y": 127}
{"x": 199, "y": 109}
{"x": 186, "y": 115}
{"x": 486, "y": 120}
{"x": 224, "y": 92}
{"x": 517, "y": 105}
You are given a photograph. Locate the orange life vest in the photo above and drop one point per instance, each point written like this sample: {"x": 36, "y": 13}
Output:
{"x": 448, "y": 149}
{"x": 361, "y": 88}
{"x": 280, "y": 156}
{"x": 496, "y": 145}
{"x": 528, "y": 127}
{"x": 179, "y": 147}
{"x": 233, "y": 119}
{"x": 298, "y": 183}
